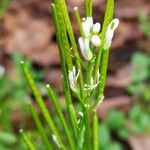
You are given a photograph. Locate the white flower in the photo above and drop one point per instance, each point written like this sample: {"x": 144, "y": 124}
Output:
{"x": 110, "y": 32}
{"x": 91, "y": 32}
{"x": 73, "y": 77}
{"x": 95, "y": 40}
{"x": 92, "y": 86}
{"x": 87, "y": 26}
{"x": 96, "y": 28}
{"x": 85, "y": 48}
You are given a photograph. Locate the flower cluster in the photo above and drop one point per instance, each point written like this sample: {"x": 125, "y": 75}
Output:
{"x": 92, "y": 36}
{"x": 91, "y": 39}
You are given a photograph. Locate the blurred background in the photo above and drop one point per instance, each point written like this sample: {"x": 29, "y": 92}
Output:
{"x": 27, "y": 33}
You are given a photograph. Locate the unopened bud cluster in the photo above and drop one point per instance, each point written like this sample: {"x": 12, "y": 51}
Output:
{"x": 92, "y": 36}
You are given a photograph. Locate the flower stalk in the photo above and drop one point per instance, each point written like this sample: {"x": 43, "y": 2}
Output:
{"x": 83, "y": 77}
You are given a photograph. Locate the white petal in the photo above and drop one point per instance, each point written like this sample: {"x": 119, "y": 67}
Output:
{"x": 115, "y": 23}
{"x": 107, "y": 45}
{"x": 87, "y": 43}
{"x": 98, "y": 76}
{"x": 74, "y": 71}
{"x": 96, "y": 40}
{"x": 86, "y": 29}
{"x": 87, "y": 26}
{"x": 96, "y": 27}
{"x": 89, "y": 21}
{"x": 87, "y": 53}
{"x": 109, "y": 35}
{"x": 81, "y": 44}
{"x": 92, "y": 81}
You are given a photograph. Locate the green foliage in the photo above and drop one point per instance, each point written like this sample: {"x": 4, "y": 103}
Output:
{"x": 10, "y": 141}
{"x": 115, "y": 120}
{"x": 106, "y": 141}
{"x": 139, "y": 85}
{"x": 140, "y": 120}
{"x": 79, "y": 135}
{"x": 13, "y": 95}
{"x": 141, "y": 66}
{"x": 13, "y": 92}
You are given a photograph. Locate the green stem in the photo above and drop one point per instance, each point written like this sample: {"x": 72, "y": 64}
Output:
{"x": 103, "y": 71}
{"x": 27, "y": 140}
{"x": 95, "y": 132}
{"x": 87, "y": 139}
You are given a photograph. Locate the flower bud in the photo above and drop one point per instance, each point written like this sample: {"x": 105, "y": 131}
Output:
{"x": 110, "y": 33}
{"x": 96, "y": 28}
{"x": 95, "y": 40}
{"x": 87, "y": 26}
{"x": 85, "y": 48}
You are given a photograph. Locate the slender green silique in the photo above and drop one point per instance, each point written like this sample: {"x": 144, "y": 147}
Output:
{"x": 40, "y": 127}
{"x": 88, "y": 8}
{"x": 73, "y": 43}
{"x": 108, "y": 17}
{"x": 27, "y": 140}
{"x": 78, "y": 18}
{"x": 62, "y": 56}
{"x": 95, "y": 132}
{"x": 63, "y": 66}
{"x": 63, "y": 35}
{"x": 103, "y": 55}
{"x": 41, "y": 103}
{"x": 55, "y": 101}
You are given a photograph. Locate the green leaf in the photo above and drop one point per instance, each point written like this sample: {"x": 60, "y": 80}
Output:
{"x": 115, "y": 120}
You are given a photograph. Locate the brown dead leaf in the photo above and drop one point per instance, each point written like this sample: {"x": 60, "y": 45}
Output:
{"x": 30, "y": 36}
{"x": 140, "y": 142}
{"x": 127, "y": 31}
{"x": 122, "y": 103}
{"x": 131, "y": 9}
{"x": 53, "y": 77}
{"x": 122, "y": 77}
